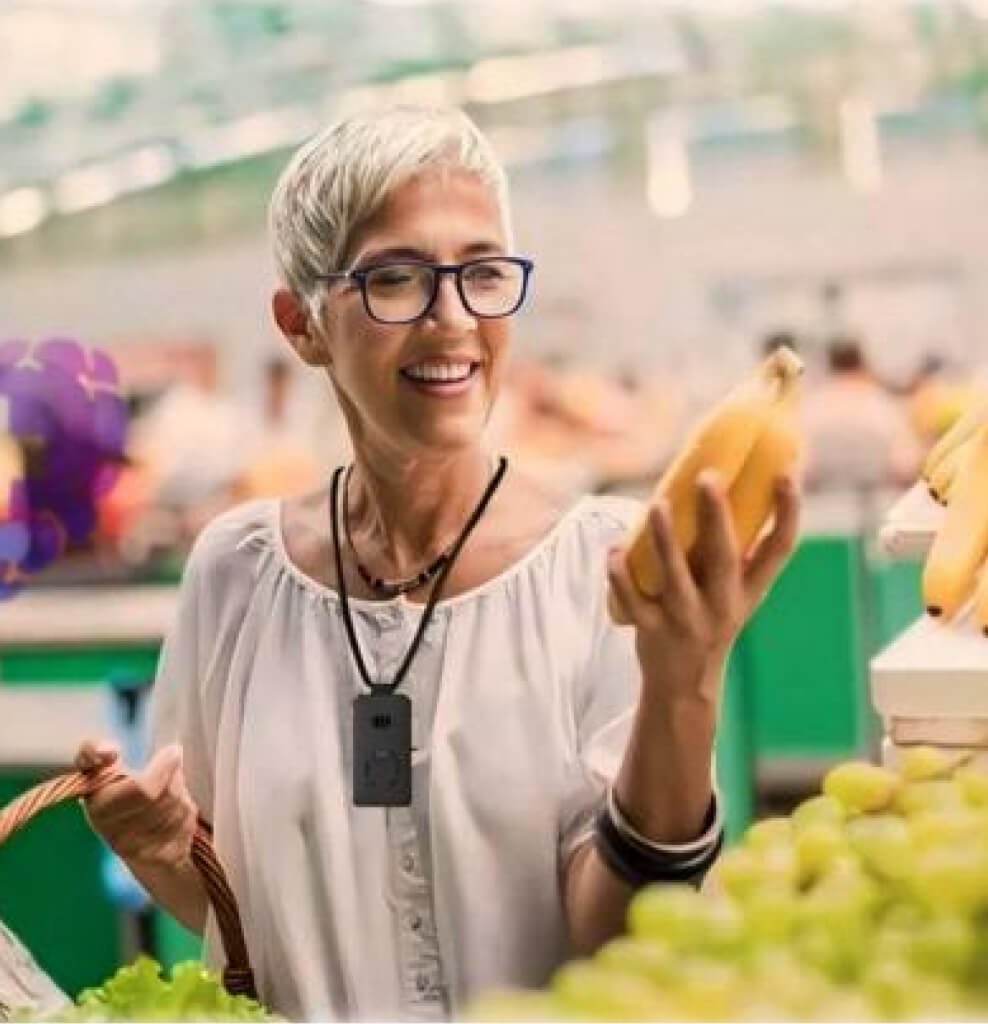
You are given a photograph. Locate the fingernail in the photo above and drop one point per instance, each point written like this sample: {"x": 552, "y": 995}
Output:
{"x": 709, "y": 480}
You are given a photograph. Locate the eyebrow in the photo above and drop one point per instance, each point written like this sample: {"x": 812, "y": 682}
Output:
{"x": 404, "y": 252}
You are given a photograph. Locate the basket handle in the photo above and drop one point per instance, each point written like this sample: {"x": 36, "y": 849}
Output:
{"x": 238, "y": 977}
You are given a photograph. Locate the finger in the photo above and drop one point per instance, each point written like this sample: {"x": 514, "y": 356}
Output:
{"x": 617, "y": 606}
{"x": 639, "y": 610}
{"x": 156, "y": 776}
{"x": 94, "y": 754}
{"x": 771, "y": 552}
{"x": 114, "y": 805}
{"x": 716, "y": 558}
{"x": 680, "y": 598}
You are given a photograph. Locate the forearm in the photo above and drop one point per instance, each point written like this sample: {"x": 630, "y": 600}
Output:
{"x": 664, "y": 789}
{"x": 179, "y": 890}
{"x": 663, "y": 786}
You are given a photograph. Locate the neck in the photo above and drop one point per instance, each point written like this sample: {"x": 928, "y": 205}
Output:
{"x": 405, "y": 513}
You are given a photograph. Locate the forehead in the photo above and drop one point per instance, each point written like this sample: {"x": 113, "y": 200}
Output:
{"x": 441, "y": 208}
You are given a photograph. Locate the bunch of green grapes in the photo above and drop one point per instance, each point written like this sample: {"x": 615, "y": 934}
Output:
{"x": 870, "y": 902}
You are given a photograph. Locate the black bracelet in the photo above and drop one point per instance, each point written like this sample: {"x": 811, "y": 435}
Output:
{"x": 639, "y": 865}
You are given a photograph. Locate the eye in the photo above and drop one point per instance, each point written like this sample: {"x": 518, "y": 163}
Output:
{"x": 485, "y": 273}
{"x": 392, "y": 276}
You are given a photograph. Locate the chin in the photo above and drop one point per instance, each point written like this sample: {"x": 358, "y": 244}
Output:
{"x": 450, "y": 438}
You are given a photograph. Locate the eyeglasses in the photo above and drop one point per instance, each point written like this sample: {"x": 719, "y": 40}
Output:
{"x": 400, "y": 293}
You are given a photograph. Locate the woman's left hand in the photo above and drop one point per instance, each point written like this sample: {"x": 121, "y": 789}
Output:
{"x": 684, "y": 635}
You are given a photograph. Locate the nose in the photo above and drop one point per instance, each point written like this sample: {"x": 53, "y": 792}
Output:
{"x": 447, "y": 310}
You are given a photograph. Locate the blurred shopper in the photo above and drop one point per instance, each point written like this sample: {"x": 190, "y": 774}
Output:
{"x": 858, "y": 436}
{"x": 282, "y": 461}
{"x": 193, "y": 444}
{"x": 552, "y": 762}
{"x": 937, "y": 396}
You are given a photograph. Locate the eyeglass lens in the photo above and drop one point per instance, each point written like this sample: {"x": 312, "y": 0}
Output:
{"x": 400, "y": 292}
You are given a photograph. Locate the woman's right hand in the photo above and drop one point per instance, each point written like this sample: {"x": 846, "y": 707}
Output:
{"x": 147, "y": 817}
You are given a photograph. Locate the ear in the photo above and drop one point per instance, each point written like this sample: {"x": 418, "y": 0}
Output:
{"x": 293, "y": 321}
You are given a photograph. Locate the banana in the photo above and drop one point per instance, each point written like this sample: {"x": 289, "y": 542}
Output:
{"x": 944, "y": 474}
{"x": 752, "y": 495}
{"x": 724, "y": 440}
{"x": 981, "y": 600}
{"x": 967, "y": 424}
{"x": 961, "y": 544}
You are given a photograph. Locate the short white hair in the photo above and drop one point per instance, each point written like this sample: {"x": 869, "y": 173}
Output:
{"x": 343, "y": 175}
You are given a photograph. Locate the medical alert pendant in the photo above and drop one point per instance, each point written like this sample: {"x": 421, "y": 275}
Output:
{"x": 382, "y": 750}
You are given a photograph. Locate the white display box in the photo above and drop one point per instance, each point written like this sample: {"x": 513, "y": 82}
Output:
{"x": 930, "y": 685}
{"x": 911, "y": 523}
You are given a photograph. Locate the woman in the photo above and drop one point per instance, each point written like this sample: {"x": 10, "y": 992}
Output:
{"x": 556, "y": 760}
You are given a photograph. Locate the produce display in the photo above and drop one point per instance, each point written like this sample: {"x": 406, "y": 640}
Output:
{"x": 750, "y": 438}
{"x": 869, "y": 902}
{"x": 140, "y": 992}
{"x": 956, "y": 472}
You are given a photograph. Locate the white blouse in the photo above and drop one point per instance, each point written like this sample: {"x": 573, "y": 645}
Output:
{"x": 522, "y": 694}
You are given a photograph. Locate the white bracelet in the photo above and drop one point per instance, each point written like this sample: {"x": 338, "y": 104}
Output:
{"x": 694, "y": 849}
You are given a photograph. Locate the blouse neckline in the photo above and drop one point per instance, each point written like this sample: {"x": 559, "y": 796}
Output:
{"x": 401, "y": 601}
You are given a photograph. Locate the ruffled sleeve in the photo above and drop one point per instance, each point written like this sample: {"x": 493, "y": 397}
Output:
{"x": 216, "y": 585}
{"x": 605, "y": 695}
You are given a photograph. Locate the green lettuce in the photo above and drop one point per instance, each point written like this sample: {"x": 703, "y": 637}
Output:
{"x": 140, "y": 992}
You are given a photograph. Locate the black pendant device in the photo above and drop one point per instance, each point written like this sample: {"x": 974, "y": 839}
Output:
{"x": 382, "y": 718}
{"x": 382, "y": 750}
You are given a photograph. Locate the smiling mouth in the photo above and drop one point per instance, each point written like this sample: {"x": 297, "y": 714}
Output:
{"x": 446, "y": 375}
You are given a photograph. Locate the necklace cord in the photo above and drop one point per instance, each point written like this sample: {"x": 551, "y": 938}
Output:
{"x": 387, "y": 588}
{"x": 434, "y": 593}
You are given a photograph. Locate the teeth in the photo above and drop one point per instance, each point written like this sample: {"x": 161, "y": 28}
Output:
{"x": 439, "y": 371}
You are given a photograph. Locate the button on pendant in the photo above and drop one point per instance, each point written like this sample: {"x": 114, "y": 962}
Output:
{"x": 408, "y": 862}
{"x": 415, "y": 922}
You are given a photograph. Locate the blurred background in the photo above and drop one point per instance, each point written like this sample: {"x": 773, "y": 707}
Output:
{"x": 697, "y": 182}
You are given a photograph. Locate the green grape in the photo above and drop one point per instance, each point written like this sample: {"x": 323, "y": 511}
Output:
{"x": 817, "y": 845}
{"x": 899, "y": 993}
{"x": 686, "y": 919}
{"x": 651, "y": 958}
{"x": 951, "y": 880}
{"x": 931, "y": 829}
{"x": 818, "y": 810}
{"x": 738, "y": 873}
{"x": 768, "y": 832}
{"x": 973, "y": 784}
{"x": 779, "y": 979}
{"x": 859, "y": 786}
{"x": 923, "y": 762}
{"x": 708, "y": 990}
{"x": 771, "y": 916}
{"x": 882, "y": 842}
{"x": 592, "y": 992}
{"x": 836, "y": 918}
{"x": 946, "y": 945}
{"x": 839, "y": 954}
{"x": 928, "y": 795}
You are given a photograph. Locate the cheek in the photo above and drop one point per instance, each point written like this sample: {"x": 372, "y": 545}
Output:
{"x": 496, "y": 335}
{"x": 365, "y": 356}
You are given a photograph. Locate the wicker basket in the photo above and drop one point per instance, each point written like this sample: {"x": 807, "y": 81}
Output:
{"x": 238, "y": 977}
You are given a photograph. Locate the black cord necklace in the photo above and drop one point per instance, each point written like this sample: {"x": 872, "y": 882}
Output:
{"x": 382, "y": 587}
{"x": 382, "y": 719}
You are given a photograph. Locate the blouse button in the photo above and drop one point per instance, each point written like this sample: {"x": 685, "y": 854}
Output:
{"x": 408, "y": 862}
{"x": 415, "y": 922}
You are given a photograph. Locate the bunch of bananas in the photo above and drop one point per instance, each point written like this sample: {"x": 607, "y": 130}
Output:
{"x": 750, "y": 438}
{"x": 956, "y": 472}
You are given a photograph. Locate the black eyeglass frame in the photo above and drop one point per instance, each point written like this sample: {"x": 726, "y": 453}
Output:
{"x": 438, "y": 270}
